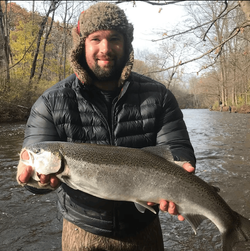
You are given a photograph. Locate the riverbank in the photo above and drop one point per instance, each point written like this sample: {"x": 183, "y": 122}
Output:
{"x": 10, "y": 113}
{"x": 245, "y": 109}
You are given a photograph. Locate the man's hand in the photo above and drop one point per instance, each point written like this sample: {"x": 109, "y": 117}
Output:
{"x": 169, "y": 206}
{"x": 24, "y": 173}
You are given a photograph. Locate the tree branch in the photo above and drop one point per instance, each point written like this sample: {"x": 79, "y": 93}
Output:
{"x": 215, "y": 20}
{"x": 236, "y": 31}
{"x": 153, "y": 3}
{"x": 187, "y": 31}
{"x": 23, "y": 55}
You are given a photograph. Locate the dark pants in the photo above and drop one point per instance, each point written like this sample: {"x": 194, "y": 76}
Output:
{"x": 76, "y": 239}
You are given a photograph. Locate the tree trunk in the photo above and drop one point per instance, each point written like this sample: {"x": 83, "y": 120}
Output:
{"x": 45, "y": 44}
{"x": 4, "y": 27}
{"x": 40, "y": 34}
{"x": 65, "y": 41}
{"x": 2, "y": 35}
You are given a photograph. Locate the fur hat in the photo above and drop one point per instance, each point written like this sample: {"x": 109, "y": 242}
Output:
{"x": 101, "y": 16}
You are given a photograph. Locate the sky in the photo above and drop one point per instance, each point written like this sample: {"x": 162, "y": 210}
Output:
{"x": 148, "y": 22}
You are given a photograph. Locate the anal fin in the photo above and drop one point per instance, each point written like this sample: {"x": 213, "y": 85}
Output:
{"x": 194, "y": 220}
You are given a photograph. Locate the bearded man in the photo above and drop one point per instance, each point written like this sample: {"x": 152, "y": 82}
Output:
{"x": 104, "y": 102}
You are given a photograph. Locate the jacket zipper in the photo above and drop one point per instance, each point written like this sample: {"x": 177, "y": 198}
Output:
{"x": 105, "y": 122}
{"x": 114, "y": 103}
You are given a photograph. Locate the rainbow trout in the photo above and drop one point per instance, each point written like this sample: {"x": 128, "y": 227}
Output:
{"x": 140, "y": 176}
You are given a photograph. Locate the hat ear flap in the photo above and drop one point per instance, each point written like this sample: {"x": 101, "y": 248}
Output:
{"x": 75, "y": 36}
{"x": 78, "y": 25}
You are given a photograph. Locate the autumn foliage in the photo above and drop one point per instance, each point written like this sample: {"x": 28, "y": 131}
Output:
{"x": 19, "y": 89}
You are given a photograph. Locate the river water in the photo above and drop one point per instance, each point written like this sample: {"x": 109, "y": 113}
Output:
{"x": 221, "y": 141}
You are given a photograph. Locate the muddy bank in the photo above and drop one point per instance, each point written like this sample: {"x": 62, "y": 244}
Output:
{"x": 10, "y": 113}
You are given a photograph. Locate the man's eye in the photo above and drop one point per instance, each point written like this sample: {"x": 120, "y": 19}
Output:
{"x": 115, "y": 39}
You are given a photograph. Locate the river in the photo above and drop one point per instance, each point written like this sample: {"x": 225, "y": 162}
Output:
{"x": 221, "y": 141}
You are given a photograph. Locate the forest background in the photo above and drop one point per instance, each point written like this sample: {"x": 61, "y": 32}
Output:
{"x": 203, "y": 60}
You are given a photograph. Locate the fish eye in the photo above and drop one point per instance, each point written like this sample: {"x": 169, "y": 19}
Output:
{"x": 37, "y": 150}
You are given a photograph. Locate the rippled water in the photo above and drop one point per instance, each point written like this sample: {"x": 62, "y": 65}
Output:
{"x": 221, "y": 141}
{"x": 27, "y": 222}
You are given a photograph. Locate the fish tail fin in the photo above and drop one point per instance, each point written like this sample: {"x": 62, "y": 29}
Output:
{"x": 239, "y": 234}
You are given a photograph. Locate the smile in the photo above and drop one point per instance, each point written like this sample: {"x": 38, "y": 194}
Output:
{"x": 103, "y": 62}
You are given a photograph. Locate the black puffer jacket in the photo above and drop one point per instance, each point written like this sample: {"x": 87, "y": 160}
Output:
{"x": 144, "y": 114}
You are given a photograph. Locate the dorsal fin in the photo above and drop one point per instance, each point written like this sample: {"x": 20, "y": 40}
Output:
{"x": 162, "y": 151}
{"x": 215, "y": 188}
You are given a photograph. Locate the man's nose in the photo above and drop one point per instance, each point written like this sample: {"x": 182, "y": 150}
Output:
{"x": 105, "y": 46}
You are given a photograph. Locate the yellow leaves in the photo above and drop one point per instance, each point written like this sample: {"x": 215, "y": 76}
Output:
{"x": 23, "y": 39}
{"x": 164, "y": 34}
{"x": 23, "y": 47}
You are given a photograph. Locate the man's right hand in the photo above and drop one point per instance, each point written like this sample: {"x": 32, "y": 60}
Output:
{"x": 25, "y": 172}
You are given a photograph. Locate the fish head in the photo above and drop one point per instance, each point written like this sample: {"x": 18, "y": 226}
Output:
{"x": 43, "y": 158}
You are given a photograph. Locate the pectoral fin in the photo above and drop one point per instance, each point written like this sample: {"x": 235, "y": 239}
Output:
{"x": 142, "y": 206}
{"x": 161, "y": 151}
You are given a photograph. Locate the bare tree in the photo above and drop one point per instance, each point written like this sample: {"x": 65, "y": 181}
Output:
{"x": 4, "y": 35}
{"x": 207, "y": 26}
{"x": 45, "y": 43}
{"x": 52, "y": 7}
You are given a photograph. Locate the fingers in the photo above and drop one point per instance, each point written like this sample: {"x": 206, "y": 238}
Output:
{"x": 54, "y": 181}
{"x": 151, "y": 204}
{"x": 164, "y": 205}
{"x": 170, "y": 207}
{"x": 25, "y": 174}
{"x": 44, "y": 178}
{"x": 180, "y": 217}
{"x": 188, "y": 167}
{"x": 50, "y": 179}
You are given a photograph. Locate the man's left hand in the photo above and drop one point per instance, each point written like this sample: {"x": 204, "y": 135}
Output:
{"x": 169, "y": 206}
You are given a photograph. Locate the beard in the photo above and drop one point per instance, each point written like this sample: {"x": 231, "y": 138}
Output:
{"x": 108, "y": 73}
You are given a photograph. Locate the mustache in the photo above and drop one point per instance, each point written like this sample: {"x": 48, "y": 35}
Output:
{"x": 105, "y": 57}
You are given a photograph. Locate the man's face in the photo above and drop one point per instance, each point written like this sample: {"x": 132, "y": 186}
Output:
{"x": 104, "y": 51}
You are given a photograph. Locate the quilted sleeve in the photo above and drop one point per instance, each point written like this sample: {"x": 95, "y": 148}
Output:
{"x": 40, "y": 125}
{"x": 172, "y": 130}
